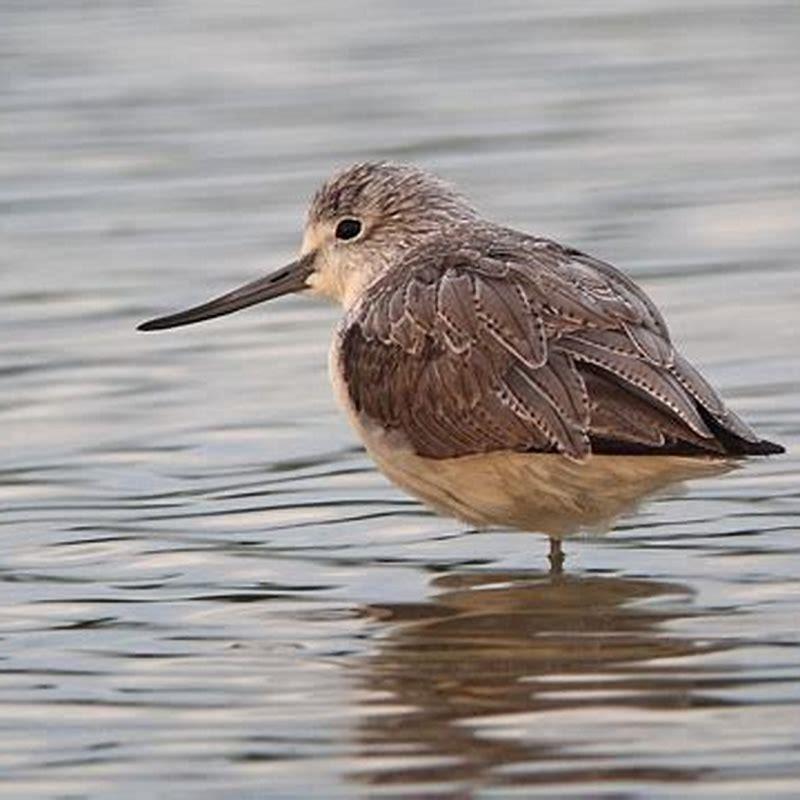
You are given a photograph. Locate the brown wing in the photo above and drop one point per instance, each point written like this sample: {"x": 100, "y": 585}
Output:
{"x": 515, "y": 343}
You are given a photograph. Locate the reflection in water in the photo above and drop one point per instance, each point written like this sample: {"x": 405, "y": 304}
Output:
{"x": 517, "y": 643}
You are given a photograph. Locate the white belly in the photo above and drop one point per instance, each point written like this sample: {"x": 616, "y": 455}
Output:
{"x": 530, "y": 491}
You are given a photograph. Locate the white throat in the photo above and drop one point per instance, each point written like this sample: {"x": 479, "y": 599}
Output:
{"x": 342, "y": 282}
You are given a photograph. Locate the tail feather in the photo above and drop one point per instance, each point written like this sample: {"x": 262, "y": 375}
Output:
{"x": 736, "y": 445}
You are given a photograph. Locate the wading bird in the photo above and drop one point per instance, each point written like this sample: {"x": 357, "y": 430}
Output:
{"x": 500, "y": 377}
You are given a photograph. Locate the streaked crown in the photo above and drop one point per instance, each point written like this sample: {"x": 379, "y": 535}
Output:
{"x": 391, "y": 194}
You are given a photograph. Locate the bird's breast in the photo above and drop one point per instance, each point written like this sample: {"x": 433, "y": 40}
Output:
{"x": 336, "y": 373}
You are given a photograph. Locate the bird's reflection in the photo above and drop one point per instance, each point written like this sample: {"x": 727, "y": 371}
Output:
{"x": 513, "y": 643}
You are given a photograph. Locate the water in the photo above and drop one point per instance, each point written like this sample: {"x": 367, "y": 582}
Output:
{"x": 206, "y": 588}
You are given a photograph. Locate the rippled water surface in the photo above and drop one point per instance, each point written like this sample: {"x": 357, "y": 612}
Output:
{"x": 206, "y": 589}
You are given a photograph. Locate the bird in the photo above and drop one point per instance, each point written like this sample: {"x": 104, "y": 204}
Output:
{"x": 500, "y": 377}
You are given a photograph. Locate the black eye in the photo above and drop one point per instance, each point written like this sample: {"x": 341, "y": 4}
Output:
{"x": 348, "y": 229}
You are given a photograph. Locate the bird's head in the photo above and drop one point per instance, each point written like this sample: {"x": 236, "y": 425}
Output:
{"x": 359, "y": 223}
{"x": 364, "y": 218}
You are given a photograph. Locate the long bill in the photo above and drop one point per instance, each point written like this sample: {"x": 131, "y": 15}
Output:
{"x": 289, "y": 279}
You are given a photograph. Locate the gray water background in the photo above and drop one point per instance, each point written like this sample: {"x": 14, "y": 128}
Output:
{"x": 205, "y": 588}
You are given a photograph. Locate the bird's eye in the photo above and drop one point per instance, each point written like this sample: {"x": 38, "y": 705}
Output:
{"x": 348, "y": 229}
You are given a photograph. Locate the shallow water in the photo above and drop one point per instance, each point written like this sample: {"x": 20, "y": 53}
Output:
{"x": 205, "y": 587}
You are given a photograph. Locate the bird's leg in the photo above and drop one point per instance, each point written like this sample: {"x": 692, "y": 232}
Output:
{"x": 556, "y": 557}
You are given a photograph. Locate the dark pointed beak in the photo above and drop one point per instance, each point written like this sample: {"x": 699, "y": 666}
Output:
{"x": 292, "y": 278}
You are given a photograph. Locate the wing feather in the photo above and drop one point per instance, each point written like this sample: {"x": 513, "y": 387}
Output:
{"x": 505, "y": 312}
{"x": 639, "y": 375}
